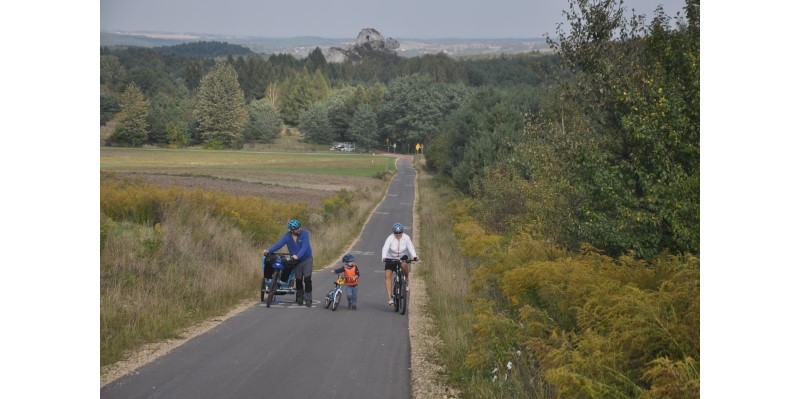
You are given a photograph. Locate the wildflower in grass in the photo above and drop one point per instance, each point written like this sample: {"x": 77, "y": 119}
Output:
{"x": 508, "y": 365}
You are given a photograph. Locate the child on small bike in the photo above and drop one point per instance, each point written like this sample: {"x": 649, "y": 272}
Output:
{"x": 351, "y": 274}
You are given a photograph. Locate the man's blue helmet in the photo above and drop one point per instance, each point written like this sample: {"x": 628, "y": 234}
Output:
{"x": 293, "y": 224}
{"x": 397, "y": 228}
{"x": 348, "y": 258}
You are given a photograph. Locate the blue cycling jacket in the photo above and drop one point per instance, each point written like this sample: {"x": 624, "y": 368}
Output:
{"x": 301, "y": 248}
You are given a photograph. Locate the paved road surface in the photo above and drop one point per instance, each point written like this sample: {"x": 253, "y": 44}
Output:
{"x": 290, "y": 351}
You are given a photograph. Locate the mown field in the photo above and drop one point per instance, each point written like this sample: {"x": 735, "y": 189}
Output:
{"x": 306, "y": 177}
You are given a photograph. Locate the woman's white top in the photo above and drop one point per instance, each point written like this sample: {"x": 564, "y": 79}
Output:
{"x": 395, "y": 247}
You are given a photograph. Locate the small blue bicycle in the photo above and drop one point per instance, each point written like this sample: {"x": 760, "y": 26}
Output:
{"x": 335, "y": 295}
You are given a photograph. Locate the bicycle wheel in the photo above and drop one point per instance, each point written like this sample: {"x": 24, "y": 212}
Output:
{"x": 396, "y": 294}
{"x": 336, "y": 298}
{"x": 403, "y": 297}
{"x": 263, "y": 288}
{"x": 328, "y": 299}
{"x": 273, "y": 287}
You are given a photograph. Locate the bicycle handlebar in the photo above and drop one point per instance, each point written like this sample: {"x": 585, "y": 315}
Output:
{"x": 397, "y": 260}
{"x": 286, "y": 257}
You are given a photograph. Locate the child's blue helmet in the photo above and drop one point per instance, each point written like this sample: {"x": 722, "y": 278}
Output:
{"x": 348, "y": 258}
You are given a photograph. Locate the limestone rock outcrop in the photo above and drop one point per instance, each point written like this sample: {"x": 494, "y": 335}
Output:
{"x": 369, "y": 42}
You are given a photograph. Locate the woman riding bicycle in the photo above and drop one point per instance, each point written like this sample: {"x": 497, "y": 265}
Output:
{"x": 397, "y": 246}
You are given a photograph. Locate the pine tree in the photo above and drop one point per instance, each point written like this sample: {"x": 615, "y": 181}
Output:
{"x": 296, "y": 95}
{"x": 221, "y": 113}
{"x": 132, "y": 129}
{"x": 316, "y": 61}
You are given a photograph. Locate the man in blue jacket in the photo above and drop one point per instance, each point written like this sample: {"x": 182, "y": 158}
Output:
{"x": 298, "y": 243}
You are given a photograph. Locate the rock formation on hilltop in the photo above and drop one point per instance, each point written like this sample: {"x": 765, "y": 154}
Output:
{"x": 368, "y": 43}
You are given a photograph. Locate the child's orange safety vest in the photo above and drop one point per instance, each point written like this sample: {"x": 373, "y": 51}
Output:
{"x": 350, "y": 276}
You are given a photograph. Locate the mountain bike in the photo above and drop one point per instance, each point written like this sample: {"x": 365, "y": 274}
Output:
{"x": 399, "y": 284}
{"x": 335, "y": 295}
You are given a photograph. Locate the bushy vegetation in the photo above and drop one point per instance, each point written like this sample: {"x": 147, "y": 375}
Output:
{"x": 258, "y": 218}
{"x": 615, "y": 162}
{"x": 522, "y": 318}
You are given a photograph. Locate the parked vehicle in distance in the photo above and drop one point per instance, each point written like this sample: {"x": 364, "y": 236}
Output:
{"x": 346, "y": 147}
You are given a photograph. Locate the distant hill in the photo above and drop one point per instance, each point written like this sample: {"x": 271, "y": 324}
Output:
{"x": 302, "y": 46}
{"x": 205, "y": 49}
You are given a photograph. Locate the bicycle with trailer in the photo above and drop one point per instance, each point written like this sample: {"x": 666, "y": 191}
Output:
{"x": 278, "y": 277}
{"x": 399, "y": 284}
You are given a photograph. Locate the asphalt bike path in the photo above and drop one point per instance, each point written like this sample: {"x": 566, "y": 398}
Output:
{"x": 292, "y": 351}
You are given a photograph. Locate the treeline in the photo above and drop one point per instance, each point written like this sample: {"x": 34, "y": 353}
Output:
{"x": 153, "y": 95}
{"x": 201, "y": 49}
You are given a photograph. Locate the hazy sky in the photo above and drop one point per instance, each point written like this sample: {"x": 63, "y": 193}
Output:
{"x": 345, "y": 18}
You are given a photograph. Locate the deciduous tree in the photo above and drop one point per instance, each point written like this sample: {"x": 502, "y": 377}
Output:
{"x": 111, "y": 70}
{"x": 315, "y": 125}
{"x": 177, "y": 134}
{"x": 264, "y": 122}
{"x": 364, "y": 127}
{"x": 636, "y": 154}
{"x": 415, "y": 107}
